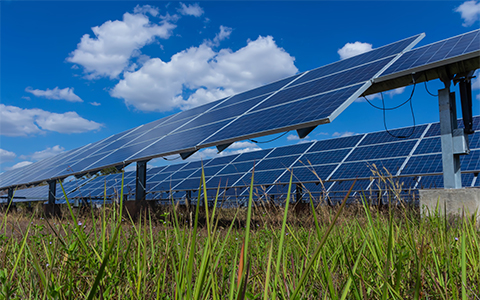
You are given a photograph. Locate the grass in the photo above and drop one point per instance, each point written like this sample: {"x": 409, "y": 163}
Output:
{"x": 344, "y": 252}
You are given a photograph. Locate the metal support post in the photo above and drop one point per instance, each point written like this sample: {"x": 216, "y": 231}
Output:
{"x": 452, "y": 177}
{"x": 10, "y": 197}
{"x": 52, "y": 190}
{"x": 188, "y": 198}
{"x": 140, "y": 191}
{"x": 298, "y": 193}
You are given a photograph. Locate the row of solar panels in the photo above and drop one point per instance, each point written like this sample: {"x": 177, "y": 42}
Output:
{"x": 298, "y": 102}
{"x": 416, "y": 159}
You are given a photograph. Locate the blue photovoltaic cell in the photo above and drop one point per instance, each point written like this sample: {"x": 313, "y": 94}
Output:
{"x": 223, "y": 113}
{"x": 360, "y": 185}
{"x": 185, "y": 130}
{"x": 181, "y": 140}
{"x": 263, "y": 90}
{"x": 182, "y": 174}
{"x": 433, "y": 182}
{"x": 188, "y": 184}
{"x": 252, "y": 156}
{"x": 194, "y": 111}
{"x": 474, "y": 140}
{"x": 290, "y": 114}
{"x": 320, "y": 158}
{"x": 262, "y": 177}
{"x": 308, "y": 174}
{"x": 208, "y": 171}
{"x": 435, "y": 127}
{"x": 358, "y": 60}
{"x": 384, "y": 137}
{"x": 237, "y": 168}
{"x": 429, "y": 145}
{"x": 290, "y": 150}
{"x": 423, "y": 164}
{"x": 224, "y": 180}
{"x": 435, "y": 52}
{"x": 382, "y": 151}
{"x": 365, "y": 169}
{"x": 222, "y": 160}
{"x": 338, "y": 143}
{"x": 276, "y": 163}
{"x": 325, "y": 84}
{"x": 470, "y": 162}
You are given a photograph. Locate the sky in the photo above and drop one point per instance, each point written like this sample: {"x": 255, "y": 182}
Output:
{"x": 75, "y": 72}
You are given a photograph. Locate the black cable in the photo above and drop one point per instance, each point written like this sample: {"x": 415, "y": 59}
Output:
{"x": 263, "y": 142}
{"x": 384, "y": 109}
{"x": 426, "y": 88}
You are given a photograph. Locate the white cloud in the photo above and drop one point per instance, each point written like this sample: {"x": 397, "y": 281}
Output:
{"x": 159, "y": 85}
{"x": 26, "y": 98}
{"x": 49, "y": 152}
{"x": 390, "y": 94}
{"x": 95, "y": 103}
{"x": 19, "y": 165}
{"x": 395, "y": 92}
{"x": 469, "y": 11}
{"x": 15, "y": 121}
{"x": 343, "y": 134}
{"x": 293, "y": 137}
{"x": 56, "y": 94}
{"x": 108, "y": 53}
{"x": 146, "y": 9}
{"x": 352, "y": 49}
{"x": 190, "y": 10}
{"x": 235, "y": 148}
{"x": 6, "y": 156}
{"x": 222, "y": 35}
{"x": 241, "y": 145}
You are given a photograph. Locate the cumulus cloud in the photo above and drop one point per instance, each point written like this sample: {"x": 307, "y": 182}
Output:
{"x": 6, "y": 156}
{"x": 146, "y": 9}
{"x": 108, "y": 52}
{"x": 293, "y": 137}
{"x": 390, "y": 94}
{"x": 19, "y": 165}
{"x": 49, "y": 152}
{"x": 208, "y": 75}
{"x": 56, "y": 94}
{"x": 95, "y": 103}
{"x": 190, "y": 10}
{"x": 343, "y": 134}
{"x": 235, "y": 148}
{"x": 352, "y": 49}
{"x": 222, "y": 35}
{"x": 16, "y": 121}
{"x": 470, "y": 12}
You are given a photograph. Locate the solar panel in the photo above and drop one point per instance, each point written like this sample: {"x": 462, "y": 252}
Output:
{"x": 464, "y": 44}
{"x": 303, "y": 100}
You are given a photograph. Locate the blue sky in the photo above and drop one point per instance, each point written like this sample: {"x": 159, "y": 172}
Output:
{"x": 76, "y": 72}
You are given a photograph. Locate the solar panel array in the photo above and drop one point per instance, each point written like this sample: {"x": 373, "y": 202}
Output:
{"x": 303, "y": 100}
{"x": 458, "y": 54}
{"x": 327, "y": 166}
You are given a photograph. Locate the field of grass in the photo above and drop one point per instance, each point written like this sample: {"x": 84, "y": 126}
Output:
{"x": 345, "y": 252}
